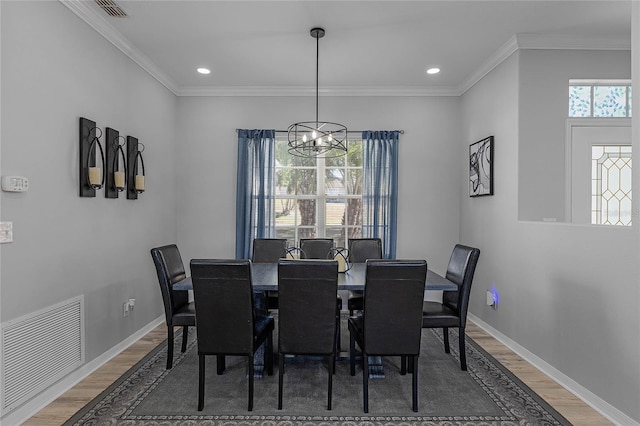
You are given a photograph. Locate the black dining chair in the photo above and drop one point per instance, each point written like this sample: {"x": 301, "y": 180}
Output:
{"x": 361, "y": 249}
{"x": 307, "y": 322}
{"x": 452, "y": 312}
{"x": 177, "y": 309}
{"x": 320, "y": 248}
{"x": 227, "y": 321}
{"x": 391, "y": 322}
{"x": 269, "y": 250}
{"x": 316, "y": 248}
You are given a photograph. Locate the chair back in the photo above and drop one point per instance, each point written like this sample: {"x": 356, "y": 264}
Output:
{"x": 462, "y": 267}
{"x": 393, "y": 296}
{"x": 170, "y": 270}
{"x": 269, "y": 250}
{"x": 361, "y": 249}
{"x": 223, "y": 301}
{"x": 307, "y": 307}
{"x": 316, "y": 248}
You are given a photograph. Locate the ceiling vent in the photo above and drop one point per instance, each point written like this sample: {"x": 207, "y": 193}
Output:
{"x": 112, "y": 8}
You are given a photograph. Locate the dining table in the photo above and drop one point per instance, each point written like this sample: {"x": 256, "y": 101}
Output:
{"x": 264, "y": 277}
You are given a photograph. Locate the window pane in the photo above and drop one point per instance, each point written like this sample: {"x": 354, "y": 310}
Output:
{"x": 579, "y": 101}
{"x": 334, "y": 183}
{"x": 337, "y": 233}
{"x": 354, "y": 212}
{"x": 354, "y": 181}
{"x": 286, "y": 211}
{"x": 334, "y": 211}
{"x": 609, "y": 101}
{"x": 305, "y": 182}
{"x": 630, "y": 103}
{"x": 354, "y": 154}
{"x": 289, "y": 233}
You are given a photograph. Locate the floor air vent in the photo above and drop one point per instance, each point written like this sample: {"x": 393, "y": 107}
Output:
{"x": 112, "y": 8}
{"x": 39, "y": 349}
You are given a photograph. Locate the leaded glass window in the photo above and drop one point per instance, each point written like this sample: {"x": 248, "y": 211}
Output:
{"x": 611, "y": 185}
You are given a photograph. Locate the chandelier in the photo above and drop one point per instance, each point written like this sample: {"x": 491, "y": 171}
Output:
{"x": 317, "y": 138}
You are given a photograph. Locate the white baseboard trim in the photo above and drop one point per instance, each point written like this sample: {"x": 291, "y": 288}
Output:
{"x": 600, "y": 405}
{"x": 31, "y": 407}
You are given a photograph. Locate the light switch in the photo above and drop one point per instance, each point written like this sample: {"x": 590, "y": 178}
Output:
{"x": 6, "y": 232}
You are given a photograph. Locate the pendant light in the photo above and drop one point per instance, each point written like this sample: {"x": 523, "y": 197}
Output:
{"x": 317, "y": 138}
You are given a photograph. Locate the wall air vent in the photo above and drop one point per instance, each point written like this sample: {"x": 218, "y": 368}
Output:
{"x": 112, "y": 8}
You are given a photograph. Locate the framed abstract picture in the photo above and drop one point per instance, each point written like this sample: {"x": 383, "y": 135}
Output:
{"x": 481, "y": 167}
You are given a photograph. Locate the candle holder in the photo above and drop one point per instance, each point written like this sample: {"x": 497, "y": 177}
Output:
{"x": 116, "y": 164}
{"x": 91, "y": 177}
{"x": 135, "y": 169}
{"x": 341, "y": 255}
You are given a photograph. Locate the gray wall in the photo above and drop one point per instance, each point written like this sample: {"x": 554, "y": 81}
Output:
{"x": 55, "y": 69}
{"x": 543, "y": 109}
{"x": 428, "y": 209}
{"x": 568, "y": 293}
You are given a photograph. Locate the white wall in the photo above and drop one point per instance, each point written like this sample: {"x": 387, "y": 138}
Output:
{"x": 543, "y": 108}
{"x": 568, "y": 293}
{"x": 55, "y": 69}
{"x": 428, "y": 203}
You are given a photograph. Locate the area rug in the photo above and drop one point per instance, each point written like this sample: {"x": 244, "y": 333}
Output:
{"x": 486, "y": 394}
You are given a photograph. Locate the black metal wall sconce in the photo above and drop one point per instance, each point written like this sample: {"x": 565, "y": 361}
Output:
{"x": 91, "y": 175}
{"x": 135, "y": 171}
{"x": 116, "y": 164}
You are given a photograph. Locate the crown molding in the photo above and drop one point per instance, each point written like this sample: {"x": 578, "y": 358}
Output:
{"x": 550, "y": 42}
{"x": 408, "y": 91}
{"x": 91, "y": 16}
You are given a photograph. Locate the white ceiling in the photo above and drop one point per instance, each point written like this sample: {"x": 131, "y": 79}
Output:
{"x": 370, "y": 47}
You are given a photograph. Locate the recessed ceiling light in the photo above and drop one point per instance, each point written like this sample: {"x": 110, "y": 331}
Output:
{"x": 433, "y": 70}
{"x": 204, "y": 70}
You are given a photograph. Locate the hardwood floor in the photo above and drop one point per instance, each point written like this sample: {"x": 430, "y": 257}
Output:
{"x": 56, "y": 413}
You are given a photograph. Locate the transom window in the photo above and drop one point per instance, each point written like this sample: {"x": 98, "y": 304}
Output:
{"x": 592, "y": 98}
{"x": 318, "y": 197}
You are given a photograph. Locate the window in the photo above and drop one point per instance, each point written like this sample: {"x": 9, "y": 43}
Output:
{"x": 318, "y": 197}
{"x": 611, "y": 185}
{"x": 599, "y": 99}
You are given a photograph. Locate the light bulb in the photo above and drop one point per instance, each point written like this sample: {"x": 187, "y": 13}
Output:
{"x": 329, "y": 138}
{"x": 313, "y": 134}
{"x": 304, "y": 137}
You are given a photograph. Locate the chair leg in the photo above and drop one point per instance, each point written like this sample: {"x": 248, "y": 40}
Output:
{"x": 338, "y": 332}
{"x": 445, "y": 333}
{"x": 365, "y": 382}
{"x": 280, "y": 379}
{"x": 403, "y": 365}
{"x": 185, "y": 336}
{"x": 352, "y": 354}
{"x": 414, "y": 363}
{"x": 269, "y": 354}
{"x": 200, "y": 382}
{"x": 221, "y": 365}
{"x": 463, "y": 353}
{"x": 250, "y": 407}
{"x": 169, "y": 347}
{"x": 332, "y": 360}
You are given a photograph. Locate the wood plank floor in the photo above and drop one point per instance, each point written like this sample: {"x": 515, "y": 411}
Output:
{"x": 56, "y": 413}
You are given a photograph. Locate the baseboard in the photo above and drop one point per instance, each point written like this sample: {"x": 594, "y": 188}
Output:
{"x": 33, "y": 406}
{"x": 600, "y": 405}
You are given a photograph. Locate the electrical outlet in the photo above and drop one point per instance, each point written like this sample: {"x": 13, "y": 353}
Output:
{"x": 132, "y": 304}
{"x": 125, "y": 310}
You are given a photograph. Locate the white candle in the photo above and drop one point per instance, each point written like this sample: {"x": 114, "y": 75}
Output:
{"x": 342, "y": 264}
{"x": 95, "y": 176}
{"x": 119, "y": 180}
{"x": 140, "y": 183}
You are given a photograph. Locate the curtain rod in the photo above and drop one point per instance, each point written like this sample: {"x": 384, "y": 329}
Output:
{"x": 348, "y": 131}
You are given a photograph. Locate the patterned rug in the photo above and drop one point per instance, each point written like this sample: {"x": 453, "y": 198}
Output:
{"x": 486, "y": 394}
